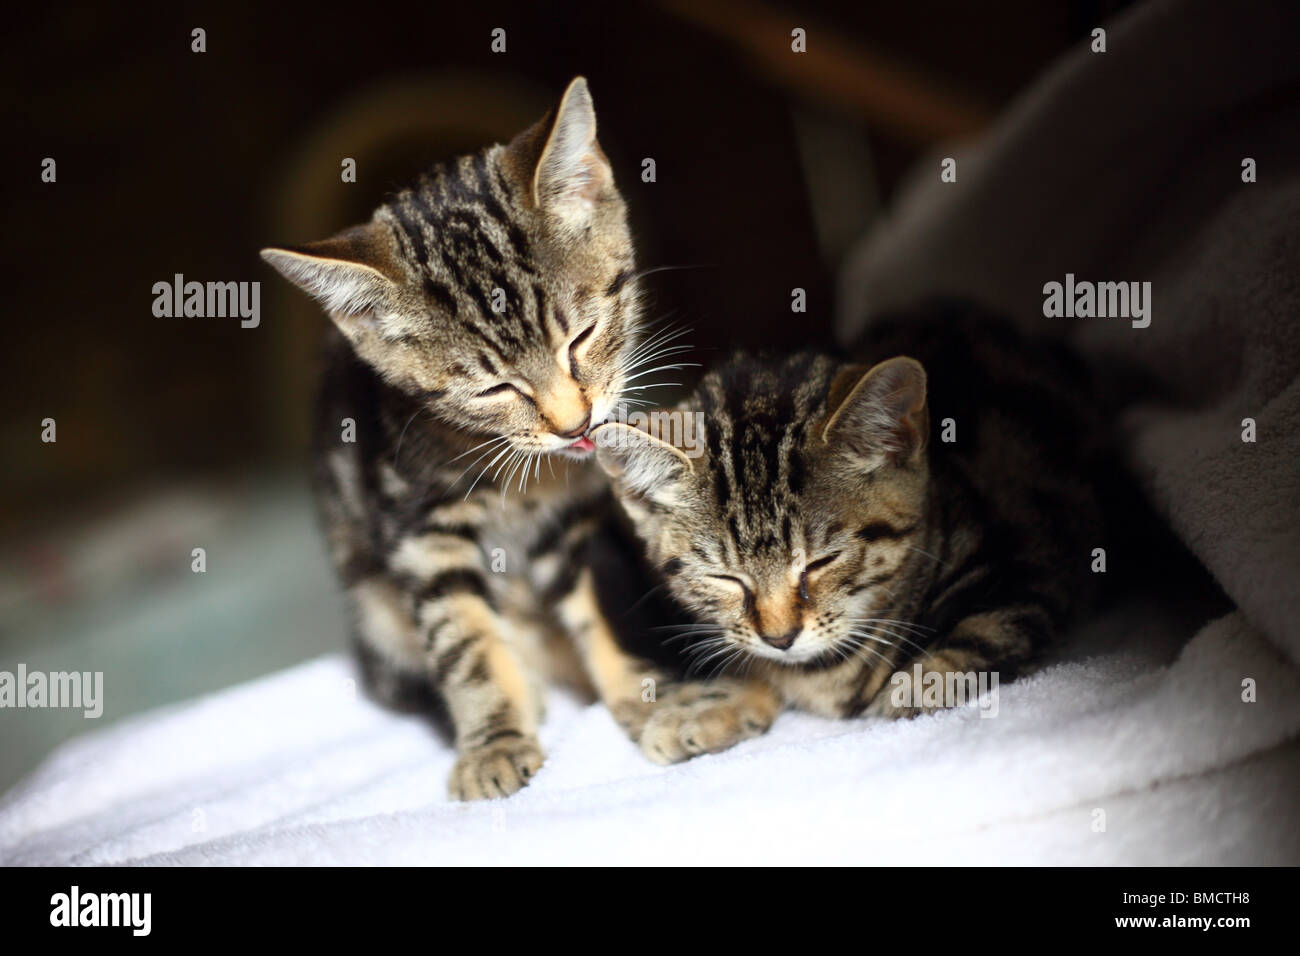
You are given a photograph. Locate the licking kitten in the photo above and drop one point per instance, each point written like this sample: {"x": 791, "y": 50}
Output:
{"x": 485, "y": 318}
{"x": 933, "y": 502}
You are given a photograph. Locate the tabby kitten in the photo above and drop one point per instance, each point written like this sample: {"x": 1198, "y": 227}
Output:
{"x": 485, "y": 318}
{"x": 825, "y": 539}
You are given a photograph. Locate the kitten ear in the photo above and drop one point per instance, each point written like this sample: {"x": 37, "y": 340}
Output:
{"x": 353, "y": 274}
{"x": 883, "y": 418}
{"x": 572, "y": 170}
{"x": 640, "y": 464}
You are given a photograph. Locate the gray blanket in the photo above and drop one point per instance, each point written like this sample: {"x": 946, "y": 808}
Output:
{"x": 1128, "y": 166}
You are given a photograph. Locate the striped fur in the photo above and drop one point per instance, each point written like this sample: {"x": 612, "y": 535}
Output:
{"x": 830, "y": 538}
{"x": 485, "y": 318}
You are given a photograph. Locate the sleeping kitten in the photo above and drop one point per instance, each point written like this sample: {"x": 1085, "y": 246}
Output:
{"x": 837, "y": 530}
{"x": 486, "y": 317}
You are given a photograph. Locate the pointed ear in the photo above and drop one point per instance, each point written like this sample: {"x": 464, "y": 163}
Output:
{"x": 640, "y": 464}
{"x": 572, "y": 170}
{"x": 353, "y": 274}
{"x": 881, "y": 416}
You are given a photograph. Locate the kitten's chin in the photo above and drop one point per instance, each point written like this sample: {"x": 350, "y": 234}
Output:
{"x": 794, "y": 656}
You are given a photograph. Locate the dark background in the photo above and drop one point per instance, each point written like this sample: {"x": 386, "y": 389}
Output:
{"x": 172, "y": 161}
{"x": 171, "y": 431}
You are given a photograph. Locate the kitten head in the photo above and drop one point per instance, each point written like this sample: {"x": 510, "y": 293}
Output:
{"x": 795, "y": 526}
{"x": 499, "y": 288}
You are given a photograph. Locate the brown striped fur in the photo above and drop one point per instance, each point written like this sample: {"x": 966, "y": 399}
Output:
{"x": 829, "y": 538}
{"x": 484, "y": 318}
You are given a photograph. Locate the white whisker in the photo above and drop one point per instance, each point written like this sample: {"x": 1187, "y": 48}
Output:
{"x": 664, "y": 368}
{"x": 508, "y": 450}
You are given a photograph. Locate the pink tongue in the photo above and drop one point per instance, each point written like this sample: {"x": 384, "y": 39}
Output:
{"x": 583, "y": 444}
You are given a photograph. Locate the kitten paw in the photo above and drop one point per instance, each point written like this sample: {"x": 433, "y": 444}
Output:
{"x": 883, "y": 707}
{"x": 494, "y": 771}
{"x": 706, "y": 717}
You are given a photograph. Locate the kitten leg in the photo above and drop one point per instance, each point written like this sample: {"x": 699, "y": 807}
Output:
{"x": 670, "y": 720}
{"x": 493, "y": 698}
{"x": 626, "y": 684}
{"x": 1001, "y": 642}
{"x": 495, "y": 704}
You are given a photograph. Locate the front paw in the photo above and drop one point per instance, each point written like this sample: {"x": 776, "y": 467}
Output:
{"x": 496, "y": 770}
{"x": 706, "y": 717}
{"x": 882, "y": 706}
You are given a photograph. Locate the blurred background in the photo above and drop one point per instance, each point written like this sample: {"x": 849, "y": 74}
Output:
{"x": 177, "y": 433}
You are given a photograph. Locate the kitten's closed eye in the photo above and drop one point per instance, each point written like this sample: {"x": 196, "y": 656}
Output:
{"x": 504, "y": 388}
{"x": 578, "y": 339}
{"x": 744, "y": 586}
{"x": 811, "y": 567}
